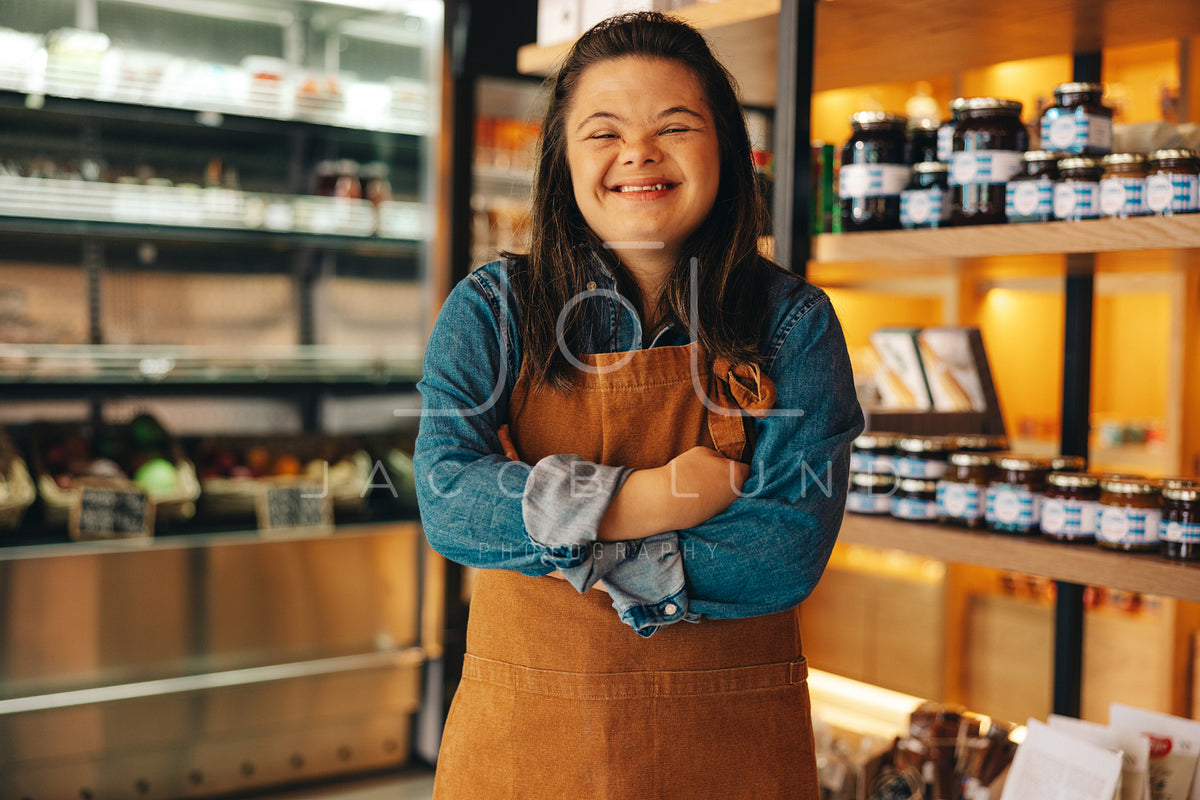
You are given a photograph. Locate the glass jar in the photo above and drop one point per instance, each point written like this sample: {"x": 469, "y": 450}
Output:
{"x": 923, "y": 456}
{"x": 962, "y": 491}
{"x": 1029, "y": 195}
{"x": 915, "y": 499}
{"x": 1077, "y": 190}
{"x": 870, "y": 493}
{"x": 1122, "y": 184}
{"x": 1130, "y": 513}
{"x": 873, "y": 173}
{"x": 1078, "y": 122}
{"x": 988, "y": 141}
{"x": 923, "y": 141}
{"x": 1014, "y": 495}
{"x": 1172, "y": 182}
{"x": 923, "y": 203}
{"x": 874, "y": 453}
{"x": 1180, "y": 530}
{"x": 1071, "y": 507}
{"x": 1068, "y": 463}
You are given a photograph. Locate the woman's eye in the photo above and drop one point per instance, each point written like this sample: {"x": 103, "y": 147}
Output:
{"x": 602, "y": 135}
{"x": 677, "y": 129}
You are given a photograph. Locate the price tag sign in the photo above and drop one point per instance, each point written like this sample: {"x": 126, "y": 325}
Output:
{"x": 295, "y": 507}
{"x": 107, "y": 511}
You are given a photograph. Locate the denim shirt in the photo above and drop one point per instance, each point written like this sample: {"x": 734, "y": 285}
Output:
{"x": 763, "y": 554}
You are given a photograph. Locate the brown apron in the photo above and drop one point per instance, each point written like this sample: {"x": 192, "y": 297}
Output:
{"x": 560, "y": 700}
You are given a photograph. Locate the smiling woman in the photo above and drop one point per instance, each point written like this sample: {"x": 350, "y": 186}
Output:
{"x": 639, "y": 423}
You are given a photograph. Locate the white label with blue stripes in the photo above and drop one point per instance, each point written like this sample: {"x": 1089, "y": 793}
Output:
{"x": 1129, "y": 526}
{"x": 1076, "y": 200}
{"x": 1121, "y": 197}
{"x": 1168, "y": 192}
{"x": 1076, "y": 132}
{"x": 1070, "y": 519}
{"x": 1185, "y": 532}
{"x": 873, "y": 180}
{"x": 1029, "y": 198}
{"x": 983, "y": 166}
{"x": 1011, "y": 504}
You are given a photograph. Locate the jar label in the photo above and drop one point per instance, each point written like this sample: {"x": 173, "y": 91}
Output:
{"x": 1076, "y": 200}
{"x": 1029, "y": 198}
{"x": 1121, "y": 525}
{"x": 1183, "y": 532}
{"x": 1175, "y": 193}
{"x": 945, "y": 142}
{"x": 872, "y": 463}
{"x": 1076, "y": 131}
{"x": 1121, "y": 197}
{"x": 923, "y": 207}
{"x": 959, "y": 500}
{"x": 866, "y": 503}
{"x": 913, "y": 467}
{"x": 1012, "y": 505}
{"x": 913, "y": 508}
{"x": 1070, "y": 519}
{"x": 873, "y": 180}
{"x": 983, "y": 166}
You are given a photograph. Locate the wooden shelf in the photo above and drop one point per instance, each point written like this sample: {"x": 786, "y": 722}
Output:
{"x": 1045, "y": 238}
{"x": 861, "y": 42}
{"x": 1074, "y": 563}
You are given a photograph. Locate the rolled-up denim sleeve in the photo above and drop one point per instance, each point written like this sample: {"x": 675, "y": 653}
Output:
{"x": 766, "y": 552}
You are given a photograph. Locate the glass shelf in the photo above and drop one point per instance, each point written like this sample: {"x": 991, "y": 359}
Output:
{"x": 81, "y": 366}
{"x": 186, "y": 207}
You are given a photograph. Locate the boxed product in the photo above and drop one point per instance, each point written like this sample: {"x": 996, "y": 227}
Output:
{"x": 235, "y": 471}
{"x": 139, "y": 455}
{"x": 952, "y": 357}
{"x": 900, "y": 375}
{"x": 17, "y": 491}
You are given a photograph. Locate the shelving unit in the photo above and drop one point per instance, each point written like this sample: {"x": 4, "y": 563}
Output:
{"x": 863, "y": 42}
{"x": 164, "y": 215}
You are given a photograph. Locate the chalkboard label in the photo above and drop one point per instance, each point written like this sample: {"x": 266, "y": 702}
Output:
{"x": 110, "y": 512}
{"x": 294, "y": 507}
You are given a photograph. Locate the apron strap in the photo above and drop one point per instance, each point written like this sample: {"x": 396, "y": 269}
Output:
{"x": 744, "y": 390}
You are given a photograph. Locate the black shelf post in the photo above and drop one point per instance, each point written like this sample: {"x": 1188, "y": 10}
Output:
{"x": 793, "y": 124}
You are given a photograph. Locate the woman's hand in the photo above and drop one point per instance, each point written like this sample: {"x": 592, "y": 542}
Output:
{"x": 689, "y": 489}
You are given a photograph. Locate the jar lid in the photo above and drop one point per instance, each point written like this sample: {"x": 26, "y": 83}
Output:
{"x": 1078, "y": 88}
{"x": 1186, "y": 494}
{"x": 876, "y": 440}
{"x": 1169, "y": 153}
{"x": 1041, "y": 155}
{"x": 985, "y": 104}
{"x": 861, "y": 118}
{"x": 1022, "y": 462}
{"x": 1078, "y": 162}
{"x": 924, "y": 124}
{"x": 872, "y": 480}
{"x": 926, "y": 444}
{"x": 1129, "y": 484}
{"x": 1068, "y": 463}
{"x": 1180, "y": 483}
{"x": 980, "y": 441}
{"x": 1073, "y": 480}
{"x": 1123, "y": 158}
{"x": 967, "y": 459}
{"x": 930, "y": 166}
{"x": 916, "y": 485}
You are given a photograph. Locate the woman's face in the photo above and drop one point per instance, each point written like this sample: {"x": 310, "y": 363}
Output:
{"x": 643, "y": 154}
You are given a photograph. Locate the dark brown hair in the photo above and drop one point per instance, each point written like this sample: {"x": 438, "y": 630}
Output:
{"x": 732, "y": 276}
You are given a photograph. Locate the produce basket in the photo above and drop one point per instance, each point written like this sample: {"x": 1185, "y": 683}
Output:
{"x": 17, "y": 491}
{"x": 235, "y": 470}
{"x": 139, "y": 452}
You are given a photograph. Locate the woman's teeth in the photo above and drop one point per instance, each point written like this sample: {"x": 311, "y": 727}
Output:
{"x": 652, "y": 188}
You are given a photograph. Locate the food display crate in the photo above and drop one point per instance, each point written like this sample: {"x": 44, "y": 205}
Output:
{"x": 63, "y": 453}
{"x": 17, "y": 491}
{"x": 235, "y": 470}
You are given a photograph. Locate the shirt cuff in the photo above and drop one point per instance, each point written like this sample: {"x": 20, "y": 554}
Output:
{"x": 565, "y": 498}
{"x": 647, "y": 583}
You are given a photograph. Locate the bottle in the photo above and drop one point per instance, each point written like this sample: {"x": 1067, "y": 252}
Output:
{"x": 1078, "y": 122}
{"x": 873, "y": 173}
{"x": 988, "y": 141}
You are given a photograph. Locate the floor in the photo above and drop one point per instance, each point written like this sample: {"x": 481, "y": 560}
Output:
{"x": 410, "y": 784}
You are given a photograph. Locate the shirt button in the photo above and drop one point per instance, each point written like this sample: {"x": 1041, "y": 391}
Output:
{"x": 591, "y": 285}
{"x": 670, "y": 608}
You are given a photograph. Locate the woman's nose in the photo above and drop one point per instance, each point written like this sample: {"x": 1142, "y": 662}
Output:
{"x": 641, "y": 150}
